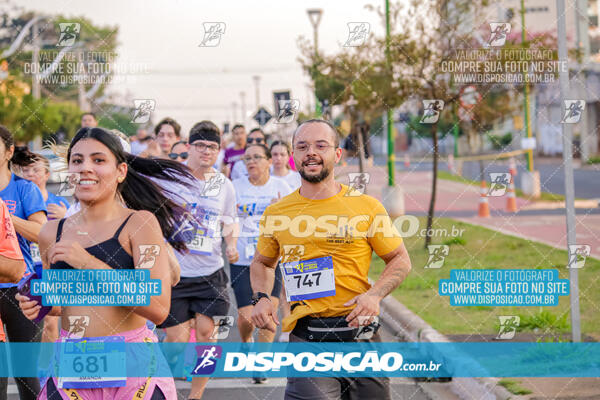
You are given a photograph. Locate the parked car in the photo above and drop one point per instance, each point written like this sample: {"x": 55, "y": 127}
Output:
{"x": 57, "y": 165}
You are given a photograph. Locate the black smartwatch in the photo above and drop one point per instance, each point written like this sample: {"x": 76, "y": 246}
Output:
{"x": 257, "y": 296}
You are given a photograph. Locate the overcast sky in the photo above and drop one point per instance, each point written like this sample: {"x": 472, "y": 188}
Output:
{"x": 187, "y": 81}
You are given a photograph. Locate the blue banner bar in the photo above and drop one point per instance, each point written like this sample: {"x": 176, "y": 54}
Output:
{"x": 302, "y": 359}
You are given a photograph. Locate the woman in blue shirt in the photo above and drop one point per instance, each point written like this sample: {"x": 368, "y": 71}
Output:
{"x": 28, "y": 213}
{"x": 38, "y": 172}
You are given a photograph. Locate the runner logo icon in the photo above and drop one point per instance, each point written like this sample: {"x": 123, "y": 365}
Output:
{"x": 207, "y": 359}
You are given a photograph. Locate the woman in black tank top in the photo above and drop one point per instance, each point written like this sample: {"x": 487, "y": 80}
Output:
{"x": 105, "y": 234}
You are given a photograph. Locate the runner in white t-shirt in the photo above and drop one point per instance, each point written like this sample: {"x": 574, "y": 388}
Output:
{"x": 202, "y": 292}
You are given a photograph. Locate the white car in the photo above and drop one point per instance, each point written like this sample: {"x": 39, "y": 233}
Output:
{"x": 57, "y": 165}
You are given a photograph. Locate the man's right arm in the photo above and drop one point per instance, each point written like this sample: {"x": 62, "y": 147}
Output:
{"x": 262, "y": 277}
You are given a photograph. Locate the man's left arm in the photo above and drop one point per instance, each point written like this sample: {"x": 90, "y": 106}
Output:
{"x": 397, "y": 267}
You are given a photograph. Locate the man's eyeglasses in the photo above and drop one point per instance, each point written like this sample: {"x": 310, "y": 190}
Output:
{"x": 256, "y": 158}
{"x": 201, "y": 147}
{"x": 258, "y": 140}
{"x": 320, "y": 147}
{"x": 174, "y": 156}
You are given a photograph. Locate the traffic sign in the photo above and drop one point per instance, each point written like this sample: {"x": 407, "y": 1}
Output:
{"x": 262, "y": 116}
{"x": 282, "y": 95}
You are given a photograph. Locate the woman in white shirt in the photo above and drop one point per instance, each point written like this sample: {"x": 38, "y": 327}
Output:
{"x": 280, "y": 155}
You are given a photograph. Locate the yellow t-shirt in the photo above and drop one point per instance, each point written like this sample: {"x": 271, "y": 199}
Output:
{"x": 347, "y": 227}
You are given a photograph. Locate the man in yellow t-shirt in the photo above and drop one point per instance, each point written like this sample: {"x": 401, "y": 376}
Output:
{"x": 325, "y": 233}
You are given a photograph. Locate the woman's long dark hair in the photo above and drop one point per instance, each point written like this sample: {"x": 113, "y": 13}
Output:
{"x": 22, "y": 156}
{"x": 141, "y": 193}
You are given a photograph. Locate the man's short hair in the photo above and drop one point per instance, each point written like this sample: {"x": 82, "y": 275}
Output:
{"x": 88, "y": 113}
{"x": 237, "y": 126}
{"x": 336, "y": 137}
{"x": 257, "y": 130}
{"x": 168, "y": 121}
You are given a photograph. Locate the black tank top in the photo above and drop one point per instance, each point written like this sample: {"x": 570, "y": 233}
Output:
{"x": 110, "y": 251}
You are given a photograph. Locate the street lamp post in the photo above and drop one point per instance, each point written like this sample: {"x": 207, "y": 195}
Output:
{"x": 256, "y": 79}
{"x": 314, "y": 15}
{"x": 243, "y": 106}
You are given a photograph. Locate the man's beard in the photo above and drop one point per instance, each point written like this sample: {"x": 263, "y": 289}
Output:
{"x": 315, "y": 178}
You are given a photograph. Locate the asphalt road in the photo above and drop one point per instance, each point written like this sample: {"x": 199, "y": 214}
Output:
{"x": 552, "y": 175}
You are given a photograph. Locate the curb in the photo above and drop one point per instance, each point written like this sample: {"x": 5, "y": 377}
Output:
{"x": 413, "y": 328}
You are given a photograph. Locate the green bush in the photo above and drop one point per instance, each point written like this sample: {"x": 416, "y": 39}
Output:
{"x": 544, "y": 320}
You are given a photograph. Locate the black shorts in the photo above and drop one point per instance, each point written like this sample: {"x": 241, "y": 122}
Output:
{"x": 206, "y": 295}
{"x": 240, "y": 281}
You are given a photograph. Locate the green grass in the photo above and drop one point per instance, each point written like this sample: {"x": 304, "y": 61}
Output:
{"x": 514, "y": 386}
{"x": 544, "y": 196}
{"x": 484, "y": 248}
{"x": 594, "y": 160}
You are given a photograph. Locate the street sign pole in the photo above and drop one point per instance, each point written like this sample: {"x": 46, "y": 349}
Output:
{"x": 567, "y": 134}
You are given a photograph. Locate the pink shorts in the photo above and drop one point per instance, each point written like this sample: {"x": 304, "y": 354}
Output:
{"x": 137, "y": 388}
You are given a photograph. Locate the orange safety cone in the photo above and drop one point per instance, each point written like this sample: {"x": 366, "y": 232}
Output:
{"x": 484, "y": 207}
{"x": 406, "y": 161}
{"x": 511, "y": 200}
{"x": 512, "y": 166}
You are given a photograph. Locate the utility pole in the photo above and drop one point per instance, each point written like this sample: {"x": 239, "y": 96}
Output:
{"x": 567, "y": 134}
{"x": 35, "y": 61}
{"x": 526, "y": 95}
{"x": 234, "y": 112}
{"x": 582, "y": 25}
{"x": 314, "y": 15}
{"x": 256, "y": 79}
{"x": 390, "y": 128}
{"x": 243, "y": 106}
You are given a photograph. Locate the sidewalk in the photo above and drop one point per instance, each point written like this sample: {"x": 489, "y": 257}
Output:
{"x": 460, "y": 201}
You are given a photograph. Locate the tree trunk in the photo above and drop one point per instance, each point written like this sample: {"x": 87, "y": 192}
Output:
{"x": 361, "y": 149}
{"x": 433, "y": 185}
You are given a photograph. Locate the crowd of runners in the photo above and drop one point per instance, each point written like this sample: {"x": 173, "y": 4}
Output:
{"x": 199, "y": 200}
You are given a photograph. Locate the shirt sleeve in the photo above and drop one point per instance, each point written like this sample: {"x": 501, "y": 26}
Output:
{"x": 383, "y": 236}
{"x": 267, "y": 245}
{"x": 63, "y": 201}
{"x": 9, "y": 245}
{"x": 230, "y": 209}
{"x": 32, "y": 199}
